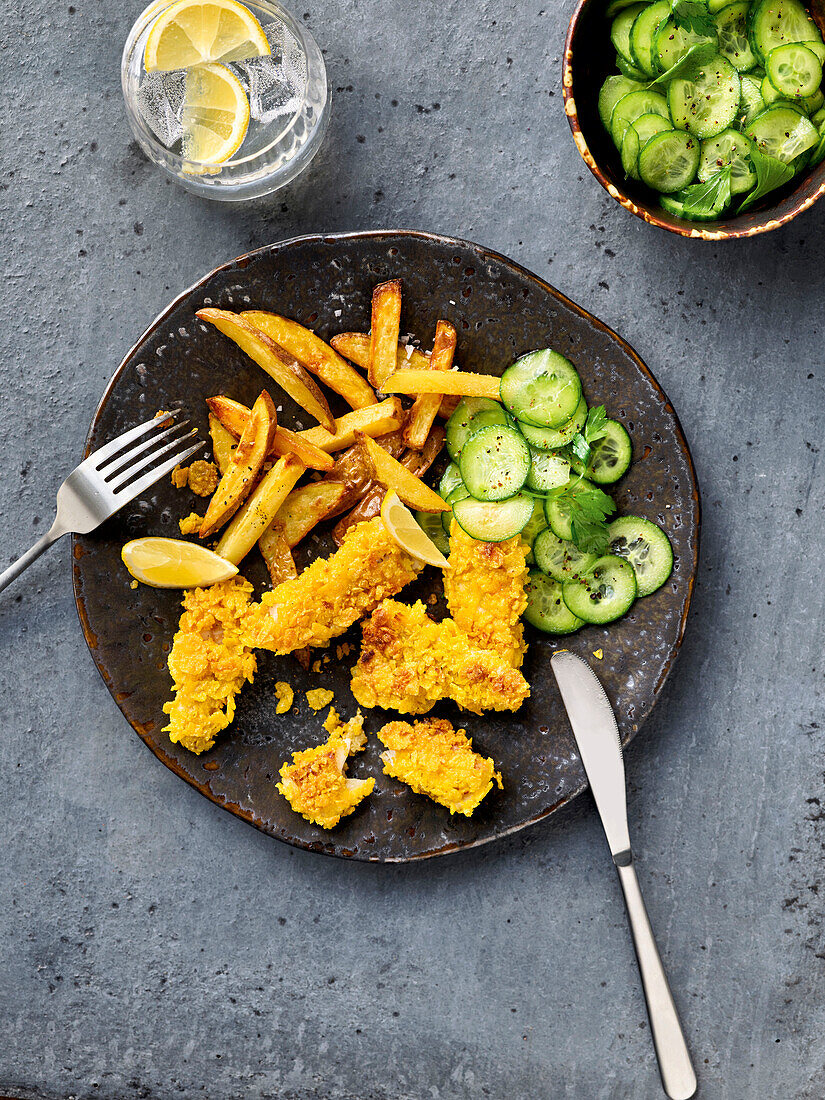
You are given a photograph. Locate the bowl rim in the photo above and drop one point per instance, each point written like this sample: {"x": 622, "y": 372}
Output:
{"x": 688, "y": 229}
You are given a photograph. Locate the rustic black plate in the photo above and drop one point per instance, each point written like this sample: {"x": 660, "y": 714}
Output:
{"x": 500, "y": 311}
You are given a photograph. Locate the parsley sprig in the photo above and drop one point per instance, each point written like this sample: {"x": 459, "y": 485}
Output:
{"x": 588, "y": 508}
{"x": 593, "y": 430}
{"x": 693, "y": 15}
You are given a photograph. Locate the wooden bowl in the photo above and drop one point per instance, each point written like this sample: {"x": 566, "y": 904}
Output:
{"x": 588, "y": 59}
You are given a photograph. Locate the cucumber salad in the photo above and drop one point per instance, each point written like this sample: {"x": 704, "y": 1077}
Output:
{"x": 715, "y": 103}
{"x": 534, "y": 464}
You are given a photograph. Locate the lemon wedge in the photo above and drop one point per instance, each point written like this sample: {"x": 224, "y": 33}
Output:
{"x": 191, "y": 32}
{"x": 174, "y": 563}
{"x": 402, "y": 525}
{"x": 215, "y": 114}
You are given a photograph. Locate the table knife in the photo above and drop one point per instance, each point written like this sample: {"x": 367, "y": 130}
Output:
{"x": 597, "y": 736}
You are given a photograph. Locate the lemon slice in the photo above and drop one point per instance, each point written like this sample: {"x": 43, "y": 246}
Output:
{"x": 174, "y": 563}
{"x": 402, "y": 525}
{"x": 191, "y": 32}
{"x": 215, "y": 114}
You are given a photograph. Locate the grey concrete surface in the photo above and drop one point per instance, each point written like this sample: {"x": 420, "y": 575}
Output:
{"x": 153, "y": 946}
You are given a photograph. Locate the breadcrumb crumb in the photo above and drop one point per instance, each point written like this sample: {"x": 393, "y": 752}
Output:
{"x": 180, "y": 477}
{"x": 191, "y": 524}
{"x": 134, "y": 584}
{"x": 438, "y": 761}
{"x": 314, "y": 783}
{"x": 598, "y": 654}
{"x": 284, "y": 695}
{"x": 319, "y": 697}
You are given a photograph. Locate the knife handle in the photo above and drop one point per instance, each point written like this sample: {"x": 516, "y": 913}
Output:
{"x": 678, "y": 1077}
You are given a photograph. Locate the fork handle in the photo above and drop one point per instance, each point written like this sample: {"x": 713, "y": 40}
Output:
{"x": 17, "y": 567}
{"x": 678, "y": 1077}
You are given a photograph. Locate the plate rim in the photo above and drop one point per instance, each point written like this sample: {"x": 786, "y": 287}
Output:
{"x": 488, "y": 255}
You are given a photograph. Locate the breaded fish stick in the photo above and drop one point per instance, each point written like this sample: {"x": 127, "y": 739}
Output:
{"x": 209, "y": 663}
{"x": 408, "y": 662}
{"x": 484, "y": 587}
{"x": 333, "y": 593}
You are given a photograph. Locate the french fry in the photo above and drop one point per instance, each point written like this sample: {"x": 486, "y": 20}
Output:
{"x": 391, "y": 474}
{"x": 462, "y": 383}
{"x": 386, "y": 416}
{"x": 223, "y": 444}
{"x": 386, "y": 324}
{"x": 233, "y": 417}
{"x": 276, "y": 554}
{"x": 355, "y": 346}
{"x": 236, "y": 483}
{"x": 284, "y": 368}
{"x": 304, "y": 508}
{"x": 426, "y": 405}
{"x": 259, "y": 510}
{"x": 316, "y": 355}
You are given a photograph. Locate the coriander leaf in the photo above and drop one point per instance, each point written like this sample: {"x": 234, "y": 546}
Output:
{"x": 770, "y": 174}
{"x": 594, "y": 426}
{"x": 694, "y": 59}
{"x": 693, "y": 15}
{"x": 706, "y": 200}
{"x": 587, "y": 506}
{"x": 580, "y": 448}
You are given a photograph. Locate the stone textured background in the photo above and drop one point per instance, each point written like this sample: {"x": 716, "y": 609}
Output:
{"x": 152, "y": 946}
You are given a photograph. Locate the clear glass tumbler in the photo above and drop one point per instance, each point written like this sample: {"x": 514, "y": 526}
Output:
{"x": 289, "y": 109}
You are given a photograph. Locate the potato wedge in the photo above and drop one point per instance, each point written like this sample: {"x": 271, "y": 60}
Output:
{"x": 283, "y": 367}
{"x": 236, "y": 484}
{"x": 386, "y": 325}
{"x": 426, "y": 405}
{"x": 277, "y": 555}
{"x": 259, "y": 510}
{"x": 355, "y": 346}
{"x": 223, "y": 444}
{"x": 233, "y": 417}
{"x": 304, "y": 508}
{"x": 462, "y": 383}
{"x": 316, "y": 355}
{"x": 391, "y": 474}
{"x": 375, "y": 420}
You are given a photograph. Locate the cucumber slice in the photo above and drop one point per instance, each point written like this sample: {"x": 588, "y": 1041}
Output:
{"x": 547, "y": 471}
{"x": 643, "y": 35}
{"x": 732, "y": 33}
{"x": 493, "y": 521}
{"x": 630, "y": 71}
{"x": 630, "y": 153}
{"x": 716, "y": 5}
{"x": 772, "y": 97}
{"x": 604, "y": 593}
{"x": 495, "y": 462}
{"x": 633, "y": 106}
{"x": 707, "y": 102}
{"x": 610, "y": 456}
{"x": 614, "y": 89}
{"x": 450, "y": 479}
{"x": 459, "y": 493}
{"x": 558, "y": 516}
{"x": 615, "y": 6}
{"x": 752, "y": 102}
{"x": 673, "y": 42}
{"x": 553, "y": 439}
{"x": 729, "y": 148}
{"x": 793, "y": 70}
{"x": 669, "y": 161}
{"x": 430, "y": 523}
{"x": 546, "y": 609}
{"x": 783, "y": 133}
{"x": 646, "y": 547}
{"x": 535, "y": 524}
{"x": 541, "y": 388}
{"x": 648, "y": 126}
{"x": 559, "y": 558}
{"x": 620, "y": 30}
{"x": 463, "y": 423}
{"x": 777, "y": 22}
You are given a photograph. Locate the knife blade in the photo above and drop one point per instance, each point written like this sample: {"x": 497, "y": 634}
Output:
{"x": 597, "y": 735}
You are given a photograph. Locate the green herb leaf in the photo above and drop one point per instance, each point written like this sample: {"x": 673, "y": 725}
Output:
{"x": 588, "y": 508}
{"x": 693, "y": 15}
{"x": 595, "y": 425}
{"x": 706, "y": 201}
{"x": 694, "y": 59}
{"x": 580, "y": 448}
{"x": 770, "y": 174}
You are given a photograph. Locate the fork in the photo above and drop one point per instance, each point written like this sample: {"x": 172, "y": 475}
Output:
{"x": 105, "y": 481}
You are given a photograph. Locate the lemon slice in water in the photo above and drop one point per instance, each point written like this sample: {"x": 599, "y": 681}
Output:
{"x": 174, "y": 563}
{"x": 191, "y": 32}
{"x": 402, "y": 525}
{"x": 215, "y": 114}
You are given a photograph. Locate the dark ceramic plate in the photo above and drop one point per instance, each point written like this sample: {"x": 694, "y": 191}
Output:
{"x": 500, "y": 311}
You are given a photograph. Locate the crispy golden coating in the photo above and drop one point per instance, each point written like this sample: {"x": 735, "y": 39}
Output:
{"x": 437, "y": 760}
{"x": 191, "y": 524}
{"x": 484, "y": 587}
{"x": 201, "y": 477}
{"x": 333, "y": 593}
{"x": 408, "y": 662}
{"x": 314, "y": 783}
{"x": 209, "y": 663}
